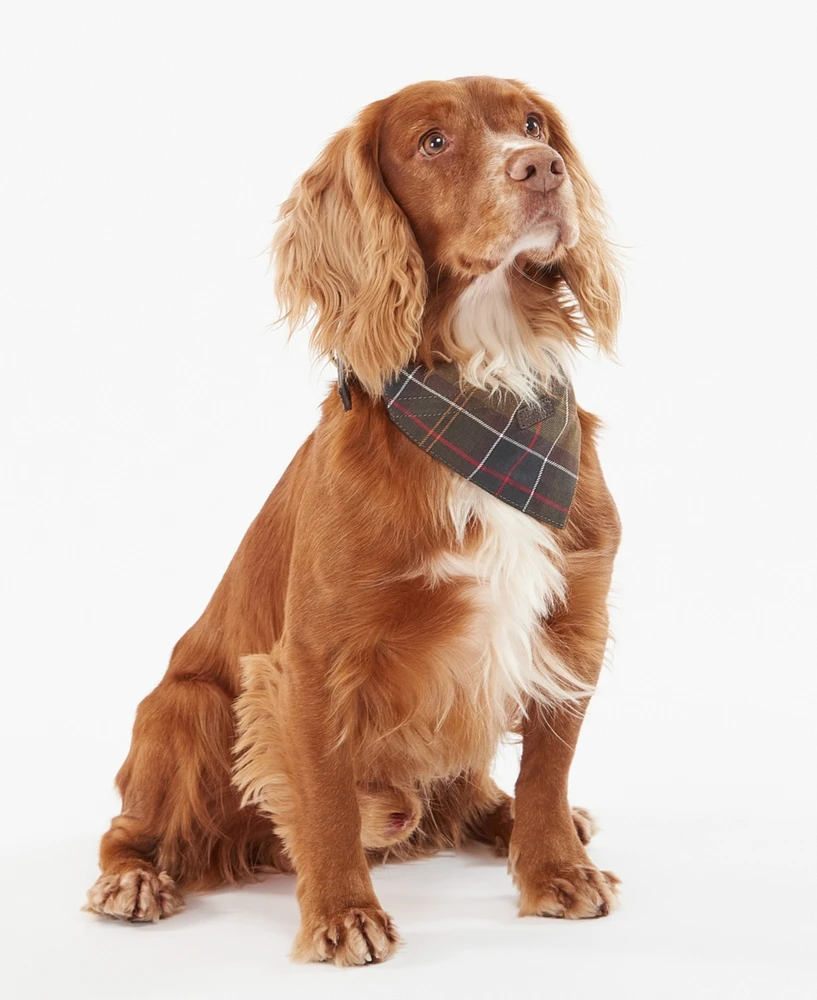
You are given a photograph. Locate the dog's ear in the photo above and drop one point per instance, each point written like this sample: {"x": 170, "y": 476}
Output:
{"x": 590, "y": 268}
{"x": 344, "y": 251}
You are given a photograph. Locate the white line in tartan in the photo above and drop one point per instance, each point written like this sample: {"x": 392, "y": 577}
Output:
{"x": 403, "y": 386}
{"x": 545, "y": 458}
{"x": 567, "y": 418}
{"x": 500, "y": 438}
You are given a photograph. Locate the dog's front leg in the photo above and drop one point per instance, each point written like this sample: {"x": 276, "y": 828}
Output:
{"x": 550, "y": 866}
{"x": 341, "y": 918}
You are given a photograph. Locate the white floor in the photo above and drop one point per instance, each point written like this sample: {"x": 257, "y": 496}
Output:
{"x": 704, "y": 913}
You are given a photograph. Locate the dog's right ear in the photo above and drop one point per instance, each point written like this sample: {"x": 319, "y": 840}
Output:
{"x": 344, "y": 251}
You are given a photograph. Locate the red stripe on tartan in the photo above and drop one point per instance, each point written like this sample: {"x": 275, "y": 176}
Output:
{"x": 473, "y": 462}
{"x": 507, "y": 478}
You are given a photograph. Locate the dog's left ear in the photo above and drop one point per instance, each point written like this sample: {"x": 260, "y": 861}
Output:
{"x": 590, "y": 268}
{"x": 345, "y": 250}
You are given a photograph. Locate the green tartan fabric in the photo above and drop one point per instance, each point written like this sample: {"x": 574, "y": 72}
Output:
{"x": 524, "y": 454}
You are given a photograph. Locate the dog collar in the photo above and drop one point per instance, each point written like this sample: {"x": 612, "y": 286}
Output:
{"x": 525, "y": 454}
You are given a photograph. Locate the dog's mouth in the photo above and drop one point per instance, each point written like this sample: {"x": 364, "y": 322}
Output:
{"x": 544, "y": 240}
{"x": 548, "y": 230}
{"x": 550, "y": 222}
{"x": 553, "y": 230}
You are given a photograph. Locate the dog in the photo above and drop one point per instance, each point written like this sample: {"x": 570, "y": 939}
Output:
{"x": 399, "y": 606}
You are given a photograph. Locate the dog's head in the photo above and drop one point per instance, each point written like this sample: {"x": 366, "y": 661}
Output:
{"x": 442, "y": 182}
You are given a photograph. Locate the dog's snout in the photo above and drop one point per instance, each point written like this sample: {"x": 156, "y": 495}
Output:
{"x": 541, "y": 169}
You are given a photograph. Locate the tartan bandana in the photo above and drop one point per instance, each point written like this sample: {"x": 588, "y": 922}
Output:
{"x": 526, "y": 454}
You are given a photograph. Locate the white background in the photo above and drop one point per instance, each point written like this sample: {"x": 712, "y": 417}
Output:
{"x": 146, "y": 149}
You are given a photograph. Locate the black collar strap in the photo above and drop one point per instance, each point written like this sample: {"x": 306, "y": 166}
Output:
{"x": 343, "y": 384}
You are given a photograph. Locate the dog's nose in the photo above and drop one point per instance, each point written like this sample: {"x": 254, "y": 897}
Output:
{"x": 541, "y": 169}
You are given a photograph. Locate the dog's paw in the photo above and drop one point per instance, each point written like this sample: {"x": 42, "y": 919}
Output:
{"x": 574, "y": 891}
{"x": 138, "y": 896}
{"x": 355, "y": 936}
{"x": 586, "y": 826}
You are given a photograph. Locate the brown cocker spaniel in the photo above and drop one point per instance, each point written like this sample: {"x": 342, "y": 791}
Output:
{"x": 390, "y": 615}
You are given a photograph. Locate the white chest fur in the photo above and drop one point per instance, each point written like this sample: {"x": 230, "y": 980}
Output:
{"x": 499, "y": 351}
{"x": 514, "y": 574}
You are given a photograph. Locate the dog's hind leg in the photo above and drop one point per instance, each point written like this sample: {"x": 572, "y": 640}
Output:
{"x": 131, "y": 887}
{"x": 496, "y": 825}
{"x": 468, "y": 807}
{"x": 474, "y": 807}
{"x": 180, "y": 823}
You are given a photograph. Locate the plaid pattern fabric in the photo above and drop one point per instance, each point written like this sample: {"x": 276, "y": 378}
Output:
{"x": 525, "y": 454}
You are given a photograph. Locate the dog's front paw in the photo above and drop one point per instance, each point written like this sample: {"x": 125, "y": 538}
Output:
{"x": 566, "y": 889}
{"x": 138, "y": 896}
{"x": 354, "y": 936}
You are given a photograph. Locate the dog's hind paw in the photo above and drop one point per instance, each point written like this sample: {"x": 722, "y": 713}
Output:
{"x": 586, "y": 826}
{"x": 138, "y": 896}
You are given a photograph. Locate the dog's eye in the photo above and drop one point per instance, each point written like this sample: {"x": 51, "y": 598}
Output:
{"x": 533, "y": 127}
{"x": 433, "y": 143}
